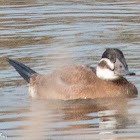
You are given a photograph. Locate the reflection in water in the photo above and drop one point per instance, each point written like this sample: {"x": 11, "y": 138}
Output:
{"x": 37, "y": 122}
{"x": 97, "y": 116}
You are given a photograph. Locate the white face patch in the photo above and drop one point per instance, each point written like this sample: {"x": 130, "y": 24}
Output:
{"x": 106, "y": 73}
{"x": 109, "y": 63}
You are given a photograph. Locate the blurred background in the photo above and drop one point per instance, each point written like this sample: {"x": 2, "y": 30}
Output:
{"x": 45, "y": 35}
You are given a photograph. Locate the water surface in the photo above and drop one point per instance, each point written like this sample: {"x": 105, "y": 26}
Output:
{"x": 48, "y": 34}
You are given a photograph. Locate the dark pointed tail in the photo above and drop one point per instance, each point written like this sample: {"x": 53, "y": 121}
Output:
{"x": 23, "y": 70}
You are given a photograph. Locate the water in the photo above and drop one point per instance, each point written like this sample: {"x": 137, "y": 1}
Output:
{"x": 48, "y": 34}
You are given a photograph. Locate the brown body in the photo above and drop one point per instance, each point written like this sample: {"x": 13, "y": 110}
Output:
{"x": 78, "y": 82}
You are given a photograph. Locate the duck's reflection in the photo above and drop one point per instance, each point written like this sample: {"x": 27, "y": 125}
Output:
{"x": 103, "y": 116}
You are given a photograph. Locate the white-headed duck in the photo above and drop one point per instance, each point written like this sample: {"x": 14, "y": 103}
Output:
{"x": 81, "y": 81}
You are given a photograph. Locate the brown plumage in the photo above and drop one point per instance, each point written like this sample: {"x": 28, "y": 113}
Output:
{"x": 81, "y": 82}
{"x": 74, "y": 82}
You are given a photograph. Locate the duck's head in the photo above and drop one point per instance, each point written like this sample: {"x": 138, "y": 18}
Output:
{"x": 112, "y": 65}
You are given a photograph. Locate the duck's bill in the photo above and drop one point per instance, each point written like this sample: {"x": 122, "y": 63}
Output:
{"x": 121, "y": 68}
{"x": 125, "y": 73}
{"x": 132, "y": 73}
{"x": 129, "y": 73}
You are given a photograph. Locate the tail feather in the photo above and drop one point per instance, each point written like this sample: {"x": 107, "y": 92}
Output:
{"x": 23, "y": 70}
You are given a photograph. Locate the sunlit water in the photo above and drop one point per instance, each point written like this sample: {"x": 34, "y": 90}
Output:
{"x": 46, "y": 34}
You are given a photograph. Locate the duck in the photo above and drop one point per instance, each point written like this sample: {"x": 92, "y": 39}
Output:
{"x": 81, "y": 81}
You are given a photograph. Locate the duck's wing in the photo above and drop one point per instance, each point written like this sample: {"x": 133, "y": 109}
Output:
{"x": 73, "y": 75}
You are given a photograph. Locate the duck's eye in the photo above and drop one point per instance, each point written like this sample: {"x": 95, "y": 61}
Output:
{"x": 109, "y": 56}
{"x": 121, "y": 67}
{"x": 112, "y": 59}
